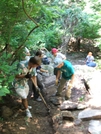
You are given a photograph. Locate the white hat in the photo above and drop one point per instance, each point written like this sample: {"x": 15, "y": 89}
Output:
{"x": 57, "y": 62}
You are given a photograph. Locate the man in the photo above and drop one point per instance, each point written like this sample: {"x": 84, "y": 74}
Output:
{"x": 66, "y": 68}
{"x": 26, "y": 72}
{"x": 57, "y": 54}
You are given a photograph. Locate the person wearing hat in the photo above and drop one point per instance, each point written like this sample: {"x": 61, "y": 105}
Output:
{"x": 26, "y": 71}
{"x": 67, "y": 70}
{"x": 57, "y": 54}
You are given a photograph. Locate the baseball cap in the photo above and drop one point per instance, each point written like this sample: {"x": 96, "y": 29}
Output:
{"x": 54, "y": 50}
{"x": 57, "y": 62}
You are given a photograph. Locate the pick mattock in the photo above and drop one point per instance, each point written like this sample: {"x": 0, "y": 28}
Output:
{"x": 48, "y": 109}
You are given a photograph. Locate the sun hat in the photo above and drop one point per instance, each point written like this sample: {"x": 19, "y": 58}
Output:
{"x": 54, "y": 50}
{"x": 57, "y": 62}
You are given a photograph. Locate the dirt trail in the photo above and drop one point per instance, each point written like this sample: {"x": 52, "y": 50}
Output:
{"x": 41, "y": 122}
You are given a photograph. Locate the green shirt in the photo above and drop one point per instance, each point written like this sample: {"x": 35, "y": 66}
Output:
{"x": 67, "y": 70}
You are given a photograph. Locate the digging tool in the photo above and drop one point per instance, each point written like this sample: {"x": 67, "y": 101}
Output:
{"x": 48, "y": 109}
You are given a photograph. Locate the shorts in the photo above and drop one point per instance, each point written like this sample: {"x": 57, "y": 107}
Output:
{"x": 23, "y": 91}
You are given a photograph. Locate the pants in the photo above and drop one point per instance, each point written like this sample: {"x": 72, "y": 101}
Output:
{"x": 36, "y": 94}
{"x": 91, "y": 64}
{"x": 61, "y": 86}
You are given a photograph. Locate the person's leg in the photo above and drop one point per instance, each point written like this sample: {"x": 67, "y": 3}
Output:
{"x": 25, "y": 103}
{"x": 23, "y": 94}
{"x": 61, "y": 86}
{"x": 36, "y": 94}
{"x": 68, "y": 91}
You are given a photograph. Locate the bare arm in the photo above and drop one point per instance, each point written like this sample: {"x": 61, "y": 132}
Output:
{"x": 42, "y": 70}
{"x": 20, "y": 76}
{"x": 72, "y": 79}
{"x": 58, "y": 74}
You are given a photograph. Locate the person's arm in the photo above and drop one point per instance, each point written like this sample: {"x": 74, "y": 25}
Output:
{"x": 42, "y": 70}
{"x": 57, "y": 77}
{"x": 34, "y": 79}
{"x": 72, "y": 79}
{"x": 62, "y": 56}
{"x": 20, "y": 76}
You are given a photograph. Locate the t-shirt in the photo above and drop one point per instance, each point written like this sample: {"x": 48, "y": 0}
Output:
{"x": 60, "y": 55}
{"x": 89, "y": 59}
{"x": 23, "y": 69}
{"x": 67, "y": 70}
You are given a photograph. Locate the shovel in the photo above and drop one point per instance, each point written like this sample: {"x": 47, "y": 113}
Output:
{"x": 48, "y": 109}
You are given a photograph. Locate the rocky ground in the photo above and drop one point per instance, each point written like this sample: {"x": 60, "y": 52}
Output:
{"x": 63, "y": 116}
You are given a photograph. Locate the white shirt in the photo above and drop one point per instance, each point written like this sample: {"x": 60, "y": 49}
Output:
{"x": 60, "y": 55}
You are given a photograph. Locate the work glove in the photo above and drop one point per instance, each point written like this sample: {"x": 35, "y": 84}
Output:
{"x": 28, "y": 76}
{"x": 56, "y": 82}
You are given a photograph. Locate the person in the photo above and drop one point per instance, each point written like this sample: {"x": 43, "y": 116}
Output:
{"x": 40, "y": 55}
{"x": 40, "y": 85}
{"x": 57, "y": 54}
{"x": 27, "y": 53}
{"x": 67, "y": 70}
{"x": 26, "y": 72}
{"x": 90, "y": 60}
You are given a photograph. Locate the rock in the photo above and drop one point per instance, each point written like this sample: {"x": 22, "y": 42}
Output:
{"x": 56, "y": 100}
{"x": 57, "y": 118}
{"x": 68, "y": 105}
{"x": 77, "y": 122}
{"x": 67, "y": 115}
{"x": 81, "y": 106}
{"x": 94, "y": 127}
{"x": 6, "y": 112}
{"x": 49, "y": 81}
{"x": 88, "y": 114}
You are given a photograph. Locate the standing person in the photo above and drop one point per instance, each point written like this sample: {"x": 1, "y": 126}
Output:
{"x": 66, "y": 68}
{"x": 90, "y": 60}
{"x": 26, "y": 71}
{"x": 57, "y": 54}
{"x": 40, "y": 85}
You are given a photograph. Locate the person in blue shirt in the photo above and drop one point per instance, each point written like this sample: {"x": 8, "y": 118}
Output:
{"x": 90, "y": 60}
{"x": 66, "y": 69}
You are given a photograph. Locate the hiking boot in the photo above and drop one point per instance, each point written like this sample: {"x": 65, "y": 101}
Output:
{"x": 28, "y": 113}
{"x": 38, "y": 99}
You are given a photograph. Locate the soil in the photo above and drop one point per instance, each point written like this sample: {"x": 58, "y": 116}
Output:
{"x": 42, "y": 122}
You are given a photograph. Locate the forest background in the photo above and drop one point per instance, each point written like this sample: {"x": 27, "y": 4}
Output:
{"x": 42, "y": 23}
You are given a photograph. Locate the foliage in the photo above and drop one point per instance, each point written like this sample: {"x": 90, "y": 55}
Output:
{"x": 42, "y": 23}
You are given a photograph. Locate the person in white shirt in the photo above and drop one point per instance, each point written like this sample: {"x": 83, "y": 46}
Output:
{"x": 59, "y": 55}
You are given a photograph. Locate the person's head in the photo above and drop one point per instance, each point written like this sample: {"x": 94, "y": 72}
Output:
{"x": 58, "y": 63}
{"x": 34, "y": 62}
{"x": 54, "y": 51}
{"x": 90, "y": 53}
{"x": 39, "y": 54}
